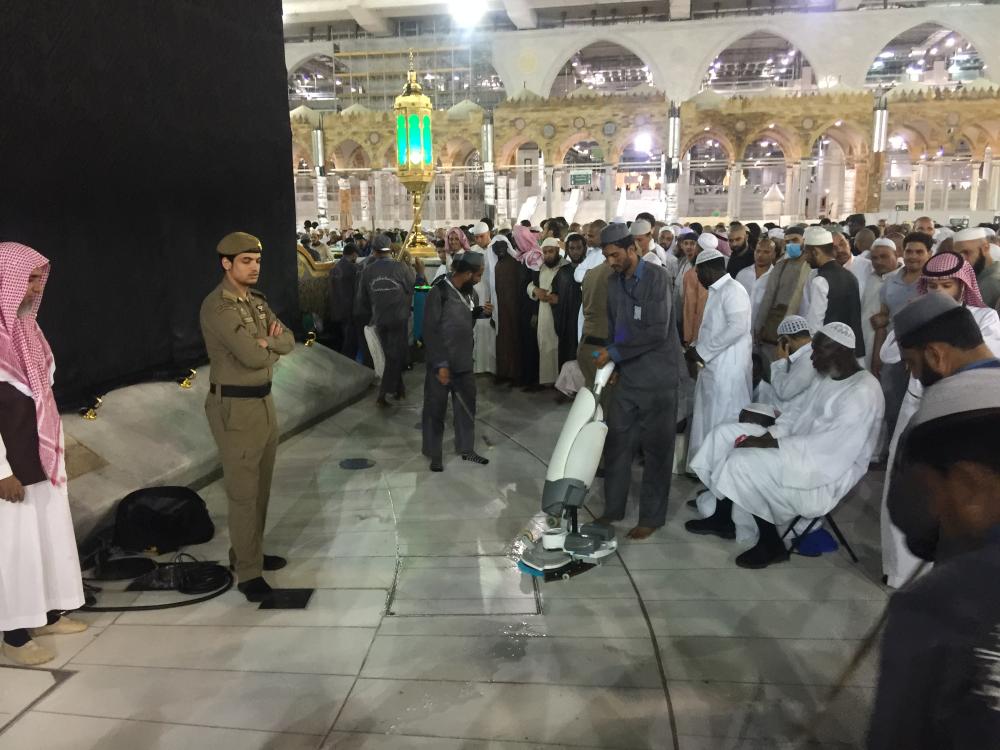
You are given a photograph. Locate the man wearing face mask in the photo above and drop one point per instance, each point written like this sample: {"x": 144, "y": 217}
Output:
{"x": 783, "y": 294}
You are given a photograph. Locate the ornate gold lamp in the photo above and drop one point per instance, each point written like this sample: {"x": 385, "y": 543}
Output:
{"x": 415, "y": 156}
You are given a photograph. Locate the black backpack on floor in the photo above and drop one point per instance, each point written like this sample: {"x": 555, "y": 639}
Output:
{"x": 161, "y": 519}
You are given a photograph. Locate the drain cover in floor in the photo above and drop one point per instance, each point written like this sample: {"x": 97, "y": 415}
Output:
{"x": 356, "y": 463}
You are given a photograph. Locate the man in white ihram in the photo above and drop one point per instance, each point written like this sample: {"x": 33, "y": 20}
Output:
{"x": 798, "y": 467}
{"x": 720, "y": 358}
{"x": 792, "y": 372}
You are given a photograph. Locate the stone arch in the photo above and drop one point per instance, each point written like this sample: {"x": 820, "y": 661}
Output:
{"x": 456, "y": 151}
{"x": 625, "y": 138}
{"x": 853, "y": 140}
{"x": 725, "y": 143}
{"x": 782, "y": 135}
{"x": 916, "y": 142}
{"x": 575, "y": 43}
{"x": 349, "y": 154}
{"x": 508, "y": 150}
{"x": 978, "y": 137}
{"x": 980, "y": 44}
{"x": 738, "y": 33}
{"x": 563, "y": 147}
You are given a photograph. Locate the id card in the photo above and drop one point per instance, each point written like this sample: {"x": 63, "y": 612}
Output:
{"x": 637, "y": 313}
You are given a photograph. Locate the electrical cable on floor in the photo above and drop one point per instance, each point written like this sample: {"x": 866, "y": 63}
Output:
{"x": 189, "y": 576}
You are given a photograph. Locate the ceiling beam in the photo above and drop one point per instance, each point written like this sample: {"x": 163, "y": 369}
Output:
{"x": 521, "y": 14}
{"x": 371, "y": 21}
{"x": 680, "y": 10}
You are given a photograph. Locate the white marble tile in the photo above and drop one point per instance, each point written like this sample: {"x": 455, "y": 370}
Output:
{"x": 766, "y": 619}
{"x": 336, "y": 573}
{"x": 249, "y": 649}
{"x": 327, "y": 607}
{"x": 769, "y": 712}
{"x": 19, "y": 687}
{"x": 365, "y": 741}
{"x": 771, "y": 660}
{"x": 4, "y": 720}
{"x": 273, "y": 702}
{"x": 598, "y": 717}
{"x": 485, "y": 585}
{"x": 65, "y": 646}
{"x": 515, "y": 657}
{"x": 62, "y": 732}
{"x": 778, "y": 582}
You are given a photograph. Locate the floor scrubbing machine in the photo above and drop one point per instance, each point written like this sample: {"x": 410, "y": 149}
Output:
{"x": 565, "y": 548}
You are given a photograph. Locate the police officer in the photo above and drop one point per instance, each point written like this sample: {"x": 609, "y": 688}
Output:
{"x": 244, "y": 339}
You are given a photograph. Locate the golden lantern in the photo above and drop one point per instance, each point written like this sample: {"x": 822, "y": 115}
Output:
{"x": 415, "y": 156}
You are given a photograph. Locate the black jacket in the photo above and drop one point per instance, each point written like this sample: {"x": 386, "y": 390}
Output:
{"x": 843, "y": 302}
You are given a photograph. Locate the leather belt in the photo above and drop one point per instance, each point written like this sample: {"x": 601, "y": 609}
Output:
{"x": 241, "y": 391}
{"x": 595, "y": 341}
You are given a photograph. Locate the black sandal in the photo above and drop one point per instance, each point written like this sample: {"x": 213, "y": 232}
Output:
{"x": 475, "y": 458}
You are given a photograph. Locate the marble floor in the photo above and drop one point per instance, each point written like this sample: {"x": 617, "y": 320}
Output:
{"x": 422, "y": 634}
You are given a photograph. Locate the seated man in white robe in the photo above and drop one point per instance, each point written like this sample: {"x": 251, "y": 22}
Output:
{"x": 800, "y": 467}
{"x": 792, "y": 371}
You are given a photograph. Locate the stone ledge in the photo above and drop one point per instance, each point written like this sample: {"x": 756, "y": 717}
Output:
{"x": 156, "y": 433}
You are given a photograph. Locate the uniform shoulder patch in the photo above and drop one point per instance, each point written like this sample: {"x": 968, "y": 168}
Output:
{"x": 256, "y": 293}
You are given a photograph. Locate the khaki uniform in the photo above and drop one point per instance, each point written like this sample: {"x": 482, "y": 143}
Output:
{"x": 245, "y": 429}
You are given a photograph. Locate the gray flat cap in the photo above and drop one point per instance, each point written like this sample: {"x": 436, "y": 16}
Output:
{"x": 920, "y": 312}
{"x": 614, "y": 234}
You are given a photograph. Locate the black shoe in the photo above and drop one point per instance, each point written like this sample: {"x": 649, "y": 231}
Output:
{"x": 273, "y": 562}
{"x": 692, "y": 503}
{"x": 255, "y": 590}
{"x": 475, "y": 458}
{"x": 761, "y": 556}
{"x": 436, "y": 465}
{"x": 722, "y": 528}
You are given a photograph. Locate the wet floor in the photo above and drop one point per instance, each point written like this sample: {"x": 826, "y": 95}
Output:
{"x": 423, "y": 634}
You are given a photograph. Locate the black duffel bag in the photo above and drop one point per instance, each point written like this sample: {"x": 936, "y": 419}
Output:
{"x": 161, "y": 519}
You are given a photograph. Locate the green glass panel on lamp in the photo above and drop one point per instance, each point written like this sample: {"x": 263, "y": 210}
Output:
{"x": 428, "y": 151}
{"x": 400, "y": 139}
{"x": 414, "y": 153}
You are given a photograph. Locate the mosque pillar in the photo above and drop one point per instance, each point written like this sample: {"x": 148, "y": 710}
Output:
{"x": 489, "y": 175}
{"x": 802, "y": 190}
{"x": 608, "y": 188}
{"x": 344, "y": 194}
{"x": 554, "y": 186}
{"x": 930, "y": 174}
{"x": 915, "y": 171}
{"x": 319, "y": 176}
{"x": 376, "y": 179}
{"x": 461, "y": 198}
{"x": 791, "y": 186}
{"x": 447, "y": 196}
{"x": 873, "y": 195}
{"x": 671, "y": 168}
{"x": 977, "y": 167}
{"x": 945, "y": 170}
{"x": 733, "y": 206}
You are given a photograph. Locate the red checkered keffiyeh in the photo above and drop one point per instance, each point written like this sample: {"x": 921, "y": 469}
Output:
{"x": 950, "y": 265}
{"x": 25, "y": 355}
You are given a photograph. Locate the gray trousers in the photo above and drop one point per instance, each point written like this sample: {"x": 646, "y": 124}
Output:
{"x": 647, "y": 419}
{"x": 395, "y": 345}
{"x": 435, "y": 407}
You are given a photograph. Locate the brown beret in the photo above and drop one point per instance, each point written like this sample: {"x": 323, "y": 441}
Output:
{"x": 238, "y": 242}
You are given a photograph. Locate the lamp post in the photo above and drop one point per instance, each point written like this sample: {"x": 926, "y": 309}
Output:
{"x": 415, "y": 156}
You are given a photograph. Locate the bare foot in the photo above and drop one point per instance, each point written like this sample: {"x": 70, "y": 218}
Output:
{"x": 640, "y": 532}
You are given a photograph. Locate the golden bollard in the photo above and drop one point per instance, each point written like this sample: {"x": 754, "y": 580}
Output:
{"x": 186, "y": 383}
{"x": 91, "y": 412}
{"x": 311, "y": 338}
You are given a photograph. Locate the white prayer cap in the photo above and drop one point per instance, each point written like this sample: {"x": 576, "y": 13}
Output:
{"x": 884, "y": 242}
{"x": 684, "y": 232}
{"x": 839, "y": 332}
{"x": 480, "y": 228}
{"x": 817, "y": 236}
{"x": 776, "y": 234}
{"x": 640, "y": 227}
{"x": 550, "y": 242}
{"x": 989, "y": 232}
{"x": 707, "y": 255}
{"x": 972, "y": 233}
{"x": 708, "y": 241}
{"x": 619, "y": 220}
{"x": 766, "y": 410}
{"x": 792, "y": 325}
{"x": 536, "y": 230}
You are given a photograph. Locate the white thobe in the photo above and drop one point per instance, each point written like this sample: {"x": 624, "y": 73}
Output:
{"x": 484, "y": 352}
{"x": 815, "y": 296}
{"x": 724, "y": 385}
{"x": 821, "y": 454}
{"x": 755, "y": 288}
{"x": 791, "y": 380}
{"x": 898, "y": 563}
{"x": 871, "y": 303}
{"x": 652, "y": 258}
{"x": 861, "y": 267}
{"x": 39, "y": 563}
{"x": 548, "y": 341}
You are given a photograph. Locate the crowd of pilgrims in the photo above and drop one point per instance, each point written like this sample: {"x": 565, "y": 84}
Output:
{"x": 761, "y": 336}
